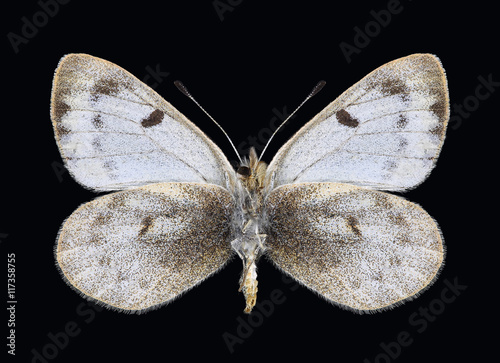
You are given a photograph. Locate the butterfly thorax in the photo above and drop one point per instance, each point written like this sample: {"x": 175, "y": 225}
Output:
{"x": 249, "y": 241}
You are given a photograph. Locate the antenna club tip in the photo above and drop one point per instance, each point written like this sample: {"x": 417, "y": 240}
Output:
{"x": 317, "y": 88}
{"x": 180, "y": 86}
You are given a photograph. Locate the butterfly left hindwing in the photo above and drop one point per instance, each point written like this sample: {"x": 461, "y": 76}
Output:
{"x": 141, "y": 248}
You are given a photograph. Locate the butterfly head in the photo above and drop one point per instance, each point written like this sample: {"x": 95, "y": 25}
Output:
{"x": 251, "y": 172}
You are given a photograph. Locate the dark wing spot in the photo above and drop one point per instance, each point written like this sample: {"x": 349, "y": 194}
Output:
{"x": 353, "y": 223}
{"x": 402, "y": 143}
{"x": 403, "y": 239}
{"x": 104, "y": 261}
{"x": 438, "y": 130}
{"x": 153, "y": 119}
{"x": 377, "y": 276}
{"x": 402, "y": 122}
{"x": 60, "y": 109}
{"x": 96, "y": 143}
{"x": 346, "y": 119}
{"x": 146, "y": 223}
{"x": 117, "y": 199}
{"x": 97, "y": 122}
{"x": 108, "y": 87}
{"x": 100, "y": 220}
{"x": 392, "y": 87}
{"x": 439, "y": 109}
{"x": 395, "y": 261}
{"x": 398, "y": 220}
{"x": 390, "y": 164}
{"x": 110, "y": 165}
{"x": 381, "y": 200}
{"x": 61, "y": 130}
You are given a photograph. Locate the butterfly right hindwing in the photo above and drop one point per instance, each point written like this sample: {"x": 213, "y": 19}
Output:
{"x": 363, "y": 249}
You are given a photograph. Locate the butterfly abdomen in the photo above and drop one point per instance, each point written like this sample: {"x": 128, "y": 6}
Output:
{"x": 249, "y": 241}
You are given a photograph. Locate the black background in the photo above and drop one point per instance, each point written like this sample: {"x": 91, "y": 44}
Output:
{"x": 240, "y": 66}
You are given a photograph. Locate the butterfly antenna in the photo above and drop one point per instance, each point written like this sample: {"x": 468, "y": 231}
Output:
{"x": 185, "y": 91}
{"x": 314, "y": 91}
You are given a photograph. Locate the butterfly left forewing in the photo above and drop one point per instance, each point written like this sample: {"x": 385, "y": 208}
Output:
{"x": 141, "y": 248}
{"x": 114, "y": 132}
{"x": 362, "y": 249}
{"x": 385, "y": 132}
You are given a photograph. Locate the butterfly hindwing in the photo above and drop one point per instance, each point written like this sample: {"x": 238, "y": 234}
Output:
{"x": 385, "y": 132}
{"x": 140, "y": 248}
{"x": 114, "y": 132}
{"x": 363, "y": 249}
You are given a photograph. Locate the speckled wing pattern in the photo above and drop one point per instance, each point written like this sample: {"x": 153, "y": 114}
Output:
{"x": 324, "y": 221}
{"x": 138, "y": 249}
{"x": 145, "y": 245}
{"x": 363, "y": 249}
{"x": 114, "y": 132}
{"x": 385, "y": 132}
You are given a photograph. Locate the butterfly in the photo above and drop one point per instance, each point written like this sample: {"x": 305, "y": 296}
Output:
{"x": 179, "y": 211}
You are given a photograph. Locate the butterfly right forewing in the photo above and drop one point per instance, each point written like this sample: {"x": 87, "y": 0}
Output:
{"x": 385, "y": 132}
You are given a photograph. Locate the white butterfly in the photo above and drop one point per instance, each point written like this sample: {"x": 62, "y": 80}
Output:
{"x": 181, "y": 210}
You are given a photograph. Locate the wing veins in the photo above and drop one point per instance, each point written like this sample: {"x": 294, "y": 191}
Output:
{"x": 159, "y": 147}
{"x": 393, "y": 132}
{"x": 106, "y": 132}
{"x": 112, "y": 155}
{"x": 355, "y": 133}
{"x": 386, "y": 96}
{"x": 394, "y": 113}
{"x": 176, "y": 157}
{"x": 396, "y": 156}
{"x": 105, "y": 113}
{"x": 374, "y": 99}
{"x": 109, "y": 95}
{"x": 324, "y": 155}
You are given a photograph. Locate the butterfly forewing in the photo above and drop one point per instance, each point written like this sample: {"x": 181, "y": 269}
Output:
{"x": 385, "y": 132}
{"x": 115, "y": 132}
{"x": 140, "y": 248}
{"x": 363, "y": 249}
